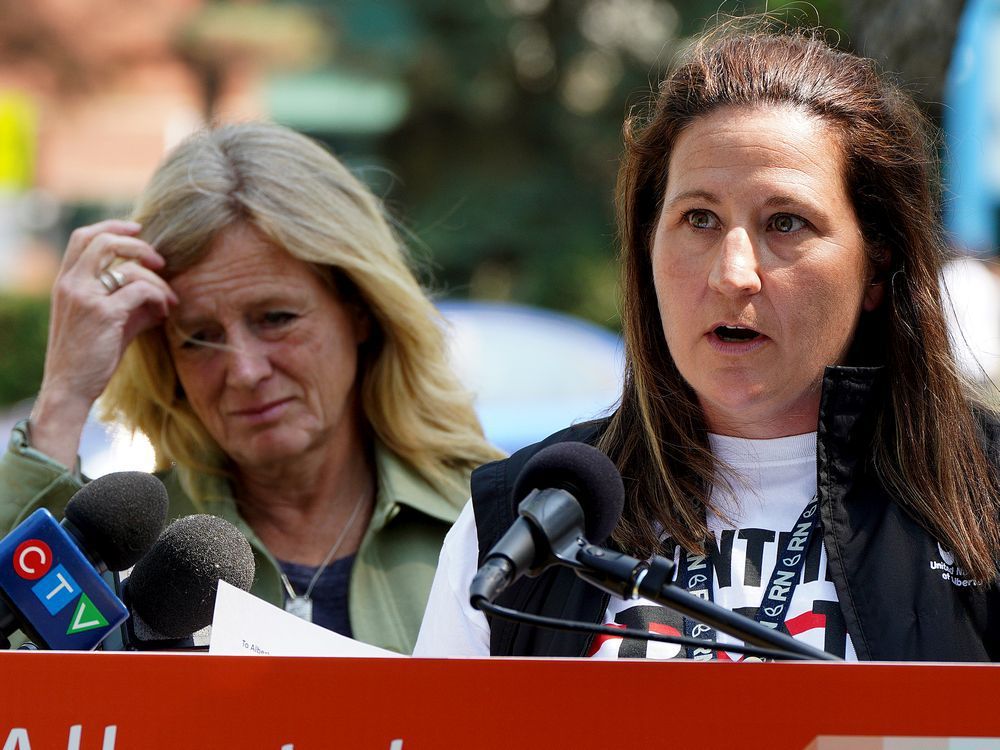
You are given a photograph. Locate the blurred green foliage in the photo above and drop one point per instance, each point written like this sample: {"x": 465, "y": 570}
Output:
{"x": 501, "y": 163}
{"x": 491, "y": 128}
{"x": 23, "y": 333}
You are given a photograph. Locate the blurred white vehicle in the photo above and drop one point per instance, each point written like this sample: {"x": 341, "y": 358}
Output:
{"x": 533, "y": 371}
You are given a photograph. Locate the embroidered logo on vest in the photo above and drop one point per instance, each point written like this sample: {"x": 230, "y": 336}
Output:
{"x": 954, "y": 574}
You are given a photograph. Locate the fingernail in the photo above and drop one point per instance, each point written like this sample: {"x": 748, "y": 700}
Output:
{"x": 133, "y": 225}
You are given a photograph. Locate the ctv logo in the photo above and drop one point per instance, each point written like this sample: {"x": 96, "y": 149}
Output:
{"x": 32, "y": 559}
{"x": 56, "y": 588}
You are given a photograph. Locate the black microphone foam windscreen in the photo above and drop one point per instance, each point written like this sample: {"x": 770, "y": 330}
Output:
{"x": 120, "y": 515}
{"x": 584, "y": 472}
{"x": 173, "y": 588}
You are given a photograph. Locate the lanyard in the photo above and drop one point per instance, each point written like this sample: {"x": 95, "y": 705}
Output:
{"x": 696, "y": 573}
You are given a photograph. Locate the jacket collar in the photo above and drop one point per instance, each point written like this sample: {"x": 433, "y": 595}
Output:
{"x": 847, "y": 395}
{"x": 398, "y": 486}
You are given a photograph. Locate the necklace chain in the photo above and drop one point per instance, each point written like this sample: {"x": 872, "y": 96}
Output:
{"x": 329, "y": 555}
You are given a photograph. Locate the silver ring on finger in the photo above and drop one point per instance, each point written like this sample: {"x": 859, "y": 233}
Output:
{"x": 112, "y": 279}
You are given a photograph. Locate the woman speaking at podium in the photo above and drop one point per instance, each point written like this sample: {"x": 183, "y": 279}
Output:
{"x": 787, "y": 367}
{"x": 257, "y": 320}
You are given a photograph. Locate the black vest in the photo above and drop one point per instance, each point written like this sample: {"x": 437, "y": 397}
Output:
{"x": 888, "y": 571}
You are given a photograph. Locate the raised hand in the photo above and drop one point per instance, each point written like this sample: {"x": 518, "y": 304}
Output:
{"x": 107, "y": 292}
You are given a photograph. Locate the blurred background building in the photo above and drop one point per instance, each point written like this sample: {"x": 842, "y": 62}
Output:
{"x": 490, "y": 127}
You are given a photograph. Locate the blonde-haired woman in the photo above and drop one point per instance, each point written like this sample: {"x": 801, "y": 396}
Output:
{"x": 259, "y": 322}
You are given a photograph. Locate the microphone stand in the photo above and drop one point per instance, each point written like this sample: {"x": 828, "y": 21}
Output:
{"x": 631, "y": 578}
{"x": 575, "y": 626}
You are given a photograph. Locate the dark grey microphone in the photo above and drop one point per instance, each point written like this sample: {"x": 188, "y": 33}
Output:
{"x": 571, "y": 492}
{"x": 117, "y": 517}
{"x": 171, "y": 591}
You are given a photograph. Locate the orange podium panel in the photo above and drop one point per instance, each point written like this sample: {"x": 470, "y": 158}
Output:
{"x": 126, "y": 701}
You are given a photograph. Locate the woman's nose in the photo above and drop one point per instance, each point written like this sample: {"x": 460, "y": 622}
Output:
{"x": 735, "y": 271}
{"x": 248, "y": 363}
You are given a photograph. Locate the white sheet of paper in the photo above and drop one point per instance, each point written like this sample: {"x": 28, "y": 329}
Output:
{"x": 244, "y": 625}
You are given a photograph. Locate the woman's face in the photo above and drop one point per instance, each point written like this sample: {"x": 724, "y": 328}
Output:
{"x": 265, "y": 351}
{"x": 759, "y": 267}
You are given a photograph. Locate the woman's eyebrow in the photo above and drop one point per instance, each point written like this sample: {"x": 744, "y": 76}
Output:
{"x": 775, "y": 201}
{"x": 190, "y": 321}
{"x": 697, "y": 194}
{"x": 251, "y": 304}
{"x": 789, "y": 201}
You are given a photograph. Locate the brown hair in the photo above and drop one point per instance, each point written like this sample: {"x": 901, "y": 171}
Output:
{"x": 926, "y": 448}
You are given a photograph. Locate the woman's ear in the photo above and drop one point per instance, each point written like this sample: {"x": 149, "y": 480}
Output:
{"x": 874, "y": 293}
{"x": 362, "y": 324}
{"x": 879, "y": 261}
{"x": 348, "y": 294}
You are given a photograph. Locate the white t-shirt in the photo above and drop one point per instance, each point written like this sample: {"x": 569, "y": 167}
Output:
{"x": 777, "y": 481}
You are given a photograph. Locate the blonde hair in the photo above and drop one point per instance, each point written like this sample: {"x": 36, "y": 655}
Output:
{"x": 299, "y": 197}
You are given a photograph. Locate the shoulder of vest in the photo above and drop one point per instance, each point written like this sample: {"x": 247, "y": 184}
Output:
{"x": 493, "y": 483}
{"x": 557, "y": 592}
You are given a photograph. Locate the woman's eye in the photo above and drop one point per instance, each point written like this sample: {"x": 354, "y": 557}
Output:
{"x": 274, "y": 318}
{"x": 199, "y": 338}
{"x": 700, "y": 219}
{"x": 786, "y": 223}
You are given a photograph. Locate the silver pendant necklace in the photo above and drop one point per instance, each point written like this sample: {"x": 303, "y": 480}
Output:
{"x": 302, "y": 606}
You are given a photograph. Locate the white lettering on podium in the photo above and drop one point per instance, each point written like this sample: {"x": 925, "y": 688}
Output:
{"x": 393, "y": 745}
{"x": 17, "y": 739}
{"x": 76, "y": 732}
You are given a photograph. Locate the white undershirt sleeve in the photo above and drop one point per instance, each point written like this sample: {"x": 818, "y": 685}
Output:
{"x": 451, "y": 627}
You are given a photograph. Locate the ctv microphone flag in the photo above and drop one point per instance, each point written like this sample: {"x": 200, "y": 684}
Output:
{"x": 63, "y": 602}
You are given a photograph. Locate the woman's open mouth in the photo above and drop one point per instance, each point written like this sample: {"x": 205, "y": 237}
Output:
{"x": 736, "y": 334}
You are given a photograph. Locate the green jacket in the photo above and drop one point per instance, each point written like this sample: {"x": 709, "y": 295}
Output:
{"x": 392, "y": 573}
